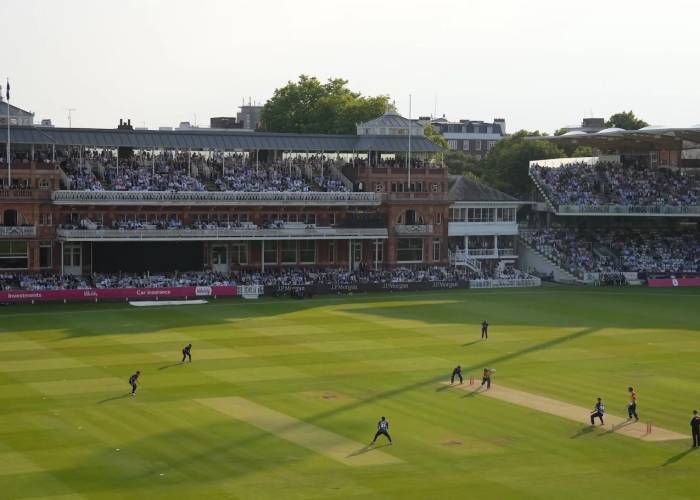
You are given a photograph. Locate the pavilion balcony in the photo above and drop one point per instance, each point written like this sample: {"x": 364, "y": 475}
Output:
{"x": 222, "y": 234}
{"x": 216, "y": 198}
{"x": 17, "y": 231}
{"x": 410, "y": 229}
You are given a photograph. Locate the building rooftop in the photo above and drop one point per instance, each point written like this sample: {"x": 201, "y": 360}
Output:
{"x": 462, "y": 188}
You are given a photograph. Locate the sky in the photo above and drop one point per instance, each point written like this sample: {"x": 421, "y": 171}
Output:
{"x": 539, "y": 64}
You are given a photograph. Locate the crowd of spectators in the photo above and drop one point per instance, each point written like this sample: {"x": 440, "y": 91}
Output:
{"x": 100, "y": 170}
{"x": 18, "y": 281}
{"x": 609, "y": 183}
{"x": 616, "y": 250}
{"x": 271, "y": 277}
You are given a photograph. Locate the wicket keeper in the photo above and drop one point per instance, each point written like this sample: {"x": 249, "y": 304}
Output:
{"x": 457, "y": 372}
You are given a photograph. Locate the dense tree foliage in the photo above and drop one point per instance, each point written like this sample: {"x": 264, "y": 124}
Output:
{"x": 309, "y": 106}
{"x": 506, "y": 165}
{"x": 626, "y": 120}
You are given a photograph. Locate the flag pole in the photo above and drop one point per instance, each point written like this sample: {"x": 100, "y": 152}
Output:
{"x": 410, "y": 130}
{"x": 9, "y": 165}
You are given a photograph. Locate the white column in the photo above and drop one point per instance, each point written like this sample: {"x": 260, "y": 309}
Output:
{"x": 495, "y": 244}
{"x": 262, "y": 257}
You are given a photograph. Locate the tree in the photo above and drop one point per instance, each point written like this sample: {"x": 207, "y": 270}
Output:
{"x": 309, "y": 106}
{"x": 506, "y": 166}
{"x": 561, "y": 131}
{"x": 460, "y": 163}
{"x": 434, "y": 136}
{"x": 626, "y": 120}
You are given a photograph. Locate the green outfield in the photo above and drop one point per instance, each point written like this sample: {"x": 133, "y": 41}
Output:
{"x": 283, "y": 397}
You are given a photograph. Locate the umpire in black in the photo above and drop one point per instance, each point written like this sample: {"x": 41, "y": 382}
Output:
{"x": 695, "y": 429}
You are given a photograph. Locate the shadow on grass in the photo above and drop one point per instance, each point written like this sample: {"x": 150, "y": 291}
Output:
{"x": 471, "y": 343}
{"x": 366, "y": 449}
{"x": 583, "y": 431}
{"x": 114, "y": 398}
{"x": 680, "y": 456}
{"x": 616, "y": 428}
{"x": 165, "y": 367}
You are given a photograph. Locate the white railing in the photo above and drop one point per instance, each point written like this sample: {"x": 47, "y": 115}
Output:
{"x": 221, "y": 234}
{"x": 17, "y": 231}
{"x": 688, "y": 210}
{"x": 460, "y": 258}
{"x": 413, "y": 228}
{"x": 215, "y": 197}
{"x": 531, "y": 281}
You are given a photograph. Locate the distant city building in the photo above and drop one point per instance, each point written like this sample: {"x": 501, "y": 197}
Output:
{"x": 225, "y": 122}
{"x": 390, "y": 123}
{"x": 46, "y": 122}
{"x": 18, "y": 116}
{"x": 249, "y": 116}
{"x": 473, "y": 137}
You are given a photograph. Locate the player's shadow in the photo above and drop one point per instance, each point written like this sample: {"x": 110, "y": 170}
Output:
{"x": 366, "y": 449}
{"x": 583, "y": 431}
{"x": 443, "y": 387}
{"x": 113, "y": 398}
{"x": 473, "y": 394}
{"x": 680, "y": 456}
{"x": 165, "y": 367}
{"x": 471, "y": 343}
{"x": 617, "y": 427}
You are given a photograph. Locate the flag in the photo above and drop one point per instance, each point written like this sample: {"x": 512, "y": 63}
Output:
{"x": 7, "y": 90}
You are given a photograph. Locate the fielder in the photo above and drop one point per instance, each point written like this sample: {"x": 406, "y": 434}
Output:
{"x": 186, "y": 353}
{"x": 382, "y": 430}
{"x": 132, "y": 382}
{"x": 485, "y": 329}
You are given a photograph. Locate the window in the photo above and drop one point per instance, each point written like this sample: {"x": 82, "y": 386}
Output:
{"x": 239, "y": 253}
{"x": 13, "y": 255}
{"x": 436, "y": 188}
{"x": 477, "y": 145}
{"x": 409, "y": 250}
{"x": 270, "y": 255}
{"x": 465, "y": 146}
{"x": 452, "y": 144}
{"x": 44, "y": 183}
{"x": 438, "y": 218}
{"x": 490, "y": 145}
{"x": 436, "y": 249}
{"x": 331, "y": 219}
{"x": 331, "y": 252}
{"x": 45, "y": 219}
{"x": 379, "y": 187}
{"x": 307, "y": 251}
{"x": 45, "y": 260}
{"x": 218, "y": 255}
{"x": 288, "y": 252}
{"x": 378, "y": 254}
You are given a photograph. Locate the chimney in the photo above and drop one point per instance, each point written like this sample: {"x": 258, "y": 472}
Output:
{"x": 121, "y": 122}
{"x": 502, "y": 123}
